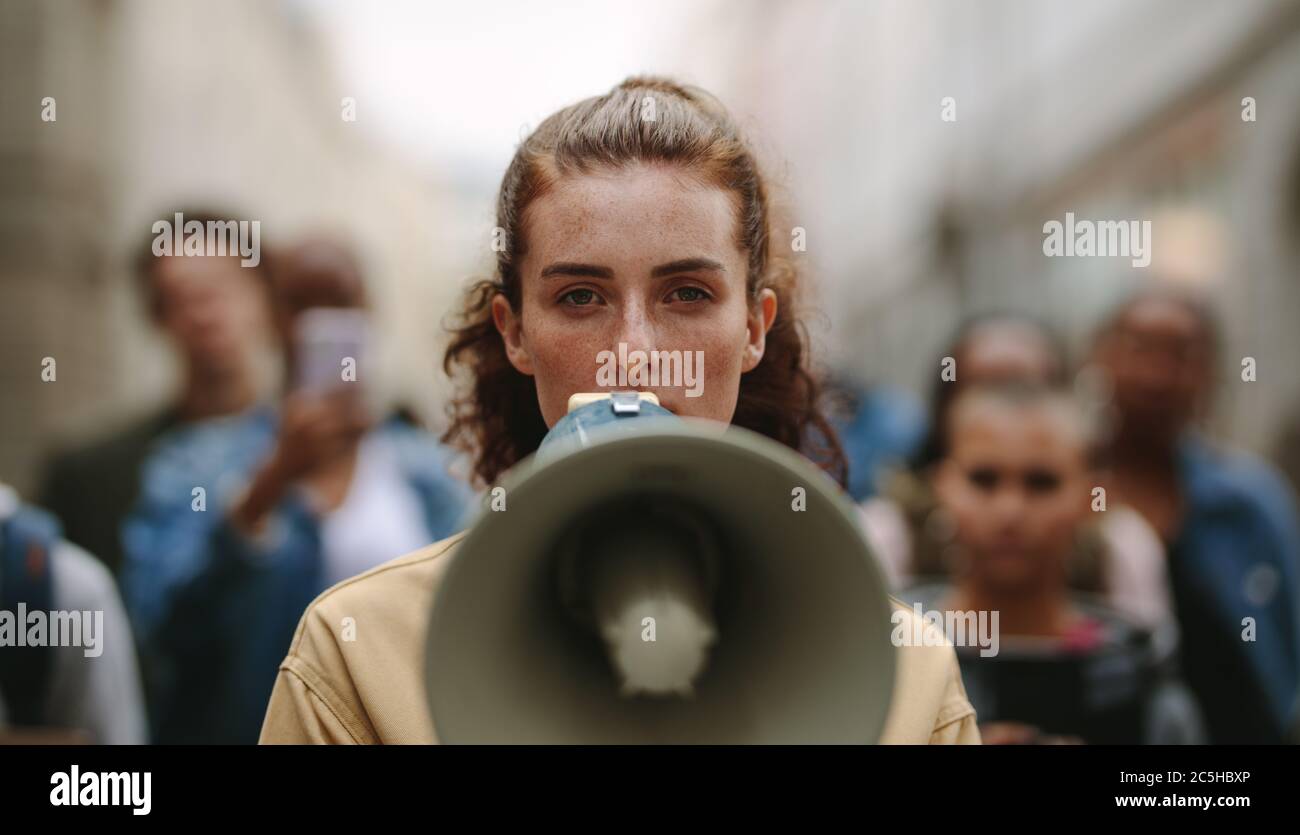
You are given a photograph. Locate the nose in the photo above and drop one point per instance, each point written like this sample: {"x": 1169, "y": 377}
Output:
{"x": 635, "y": 326}
{"x": 209, "y": 313}
{"x": 1009, "y": 505}
{"x": 636, "y": 330}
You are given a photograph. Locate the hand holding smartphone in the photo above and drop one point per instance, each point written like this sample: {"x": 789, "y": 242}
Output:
{"x": 330, "y": 350}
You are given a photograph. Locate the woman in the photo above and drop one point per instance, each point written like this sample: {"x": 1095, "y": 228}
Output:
{"x": 1116, "y": 556}
{"x": 303, "y": 495}
{"x": 1226, "y": 521}
{"x": 637, "y": 218}
{"x": 1016, "y": 481}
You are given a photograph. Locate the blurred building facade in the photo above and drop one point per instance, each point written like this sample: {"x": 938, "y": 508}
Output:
{"x": 1108, "y": 109}
{"x": 160, "y": 105}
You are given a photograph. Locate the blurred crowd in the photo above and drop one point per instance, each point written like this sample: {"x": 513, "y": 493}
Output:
{"x": 1145, "y": 576}
{"x": 222, "y": 516}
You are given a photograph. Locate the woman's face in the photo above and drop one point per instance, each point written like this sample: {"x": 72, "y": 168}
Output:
{"x": 1016, "y": 484}
{"x": 642, "y": 257}
{"x": 1159, "y": 360}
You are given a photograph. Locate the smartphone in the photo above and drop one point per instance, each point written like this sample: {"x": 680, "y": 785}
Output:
{"x": 332, "y": 343}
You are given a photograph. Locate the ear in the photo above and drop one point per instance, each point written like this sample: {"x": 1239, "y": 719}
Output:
{"x": 511, "y": 327}
{"x": 762, "y": 313}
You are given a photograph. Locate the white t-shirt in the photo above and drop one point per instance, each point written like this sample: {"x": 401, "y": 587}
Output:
{"x": 380, "y": 519}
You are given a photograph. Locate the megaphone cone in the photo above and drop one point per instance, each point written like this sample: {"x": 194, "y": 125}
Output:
{"x": 668, "y": 584}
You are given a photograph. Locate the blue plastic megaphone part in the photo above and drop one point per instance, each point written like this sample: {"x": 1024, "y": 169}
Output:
{"x": 620, "y": 414}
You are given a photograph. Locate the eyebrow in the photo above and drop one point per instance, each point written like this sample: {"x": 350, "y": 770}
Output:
{"x": 574, "y": 269}
{"x": 686, "y": 265}
{"x": 683, "y": 265}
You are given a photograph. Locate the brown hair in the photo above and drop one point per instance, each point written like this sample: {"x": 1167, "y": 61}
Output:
{"x": 497, "y": 418}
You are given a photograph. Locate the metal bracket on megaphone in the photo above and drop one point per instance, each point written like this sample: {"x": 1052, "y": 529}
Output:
{"x": 600, "y": 413}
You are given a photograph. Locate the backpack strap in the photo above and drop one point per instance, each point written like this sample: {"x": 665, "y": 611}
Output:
{"x": 27, "y": 540}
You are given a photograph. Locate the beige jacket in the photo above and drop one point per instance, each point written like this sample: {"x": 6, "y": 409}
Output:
{"x": 371, "y": 689}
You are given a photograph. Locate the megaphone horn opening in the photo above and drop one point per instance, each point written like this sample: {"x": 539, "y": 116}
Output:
{"x": 641, "y": 574}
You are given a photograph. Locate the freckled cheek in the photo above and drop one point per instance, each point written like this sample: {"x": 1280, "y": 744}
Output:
{"x": 566, "y": 361}
{"x": 722, "y": 338}
{"x": 722, "y": 367}
{"x": 717, "y": 381}
{"x": 563, "y": 353}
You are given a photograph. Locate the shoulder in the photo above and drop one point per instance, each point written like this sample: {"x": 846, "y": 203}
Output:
{"x": 357, "y": 654}
{"x": 402, "y": 586}
{"x": 929, "y": 698}
{"x": 1230, "y": 477}
{"x": 219, "y": 434}
{"x": 206, "y": 454}
{"x": 389, "y": 605}
{"x": 420, "y": 453}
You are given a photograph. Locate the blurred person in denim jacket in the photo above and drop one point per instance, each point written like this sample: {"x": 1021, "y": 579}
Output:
{"x": 1227, "y": 520}
{"x": 212, "y": 312}
{"x": 294, "y": 499}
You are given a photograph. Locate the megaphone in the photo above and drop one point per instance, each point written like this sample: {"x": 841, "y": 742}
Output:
{"x": 652, "y": 579}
